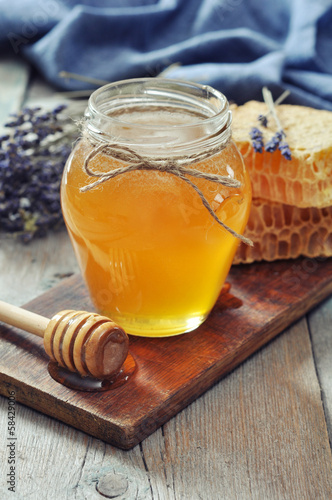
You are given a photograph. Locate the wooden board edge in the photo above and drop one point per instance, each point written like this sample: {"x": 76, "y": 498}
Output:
{"x": 43, "y": 402}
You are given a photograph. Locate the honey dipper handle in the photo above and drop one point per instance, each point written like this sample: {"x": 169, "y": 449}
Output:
{"x": 26, "y": 320}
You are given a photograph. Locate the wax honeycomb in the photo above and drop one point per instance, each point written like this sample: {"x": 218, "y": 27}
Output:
{"x": 281, "y": 231}
{"x": 305, "y": 180}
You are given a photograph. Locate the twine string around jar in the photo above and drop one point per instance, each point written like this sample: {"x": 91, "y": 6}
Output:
{"x": 177, "y": 167}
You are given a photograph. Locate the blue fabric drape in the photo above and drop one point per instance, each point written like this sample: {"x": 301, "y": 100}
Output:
{"x": 236, "y": 46}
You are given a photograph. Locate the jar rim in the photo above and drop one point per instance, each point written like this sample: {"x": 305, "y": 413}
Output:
{"x": 159, "y": 83}
{"x": 165, "y": 113}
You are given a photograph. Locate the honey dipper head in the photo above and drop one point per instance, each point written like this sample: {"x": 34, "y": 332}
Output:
{"x": 87, "y": 343}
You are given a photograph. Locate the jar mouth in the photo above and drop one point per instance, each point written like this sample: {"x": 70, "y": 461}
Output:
{"x": 146, "y": 112}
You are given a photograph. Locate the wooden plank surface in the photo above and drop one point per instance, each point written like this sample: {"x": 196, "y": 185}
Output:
{"x": 320, "y": 328}
{"x": 213, "y": 448}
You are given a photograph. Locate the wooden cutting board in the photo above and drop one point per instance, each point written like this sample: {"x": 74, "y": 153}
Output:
{"x": 263, "y": 300}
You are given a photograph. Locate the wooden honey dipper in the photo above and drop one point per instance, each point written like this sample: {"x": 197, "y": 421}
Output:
{"x": 86, "y": 343}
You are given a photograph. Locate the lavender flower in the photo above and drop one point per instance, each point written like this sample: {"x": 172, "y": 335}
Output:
{"x": 273, "y": 144}
{"x": 3, "y": 138}
{"x": 285, "y": 150}
{"x": 263, "y": 120}
{"x": 278, "y": 140}
{"x": 32, "y": 157}
{"x": 257, "y": 139}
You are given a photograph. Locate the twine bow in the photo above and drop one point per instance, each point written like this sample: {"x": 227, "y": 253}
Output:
{"x": 175, "y": 167}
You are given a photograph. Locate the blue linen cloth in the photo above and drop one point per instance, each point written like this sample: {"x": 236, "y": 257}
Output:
{"x": 237, "y": 46}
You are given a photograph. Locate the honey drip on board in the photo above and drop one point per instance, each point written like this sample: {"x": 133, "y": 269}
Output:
{"x": 74, "y": 381}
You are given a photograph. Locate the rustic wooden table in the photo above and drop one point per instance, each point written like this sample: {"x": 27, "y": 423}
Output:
{"x": 263, "y": 432}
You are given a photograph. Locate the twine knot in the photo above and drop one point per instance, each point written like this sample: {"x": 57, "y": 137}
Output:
{"x": 167, "y": 167}
{"x": 179, "y": 168}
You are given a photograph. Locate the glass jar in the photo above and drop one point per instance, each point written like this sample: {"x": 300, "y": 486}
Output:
{"x": 152, "y": 254}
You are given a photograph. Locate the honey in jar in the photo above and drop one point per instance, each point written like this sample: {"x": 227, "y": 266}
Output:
{"x": 153, "y": 257}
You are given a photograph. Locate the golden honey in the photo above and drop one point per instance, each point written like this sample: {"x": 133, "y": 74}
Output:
{"x": 152, "y": 256}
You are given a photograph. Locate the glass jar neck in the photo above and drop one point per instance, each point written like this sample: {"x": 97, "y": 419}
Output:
{"x": 160, "y": 117}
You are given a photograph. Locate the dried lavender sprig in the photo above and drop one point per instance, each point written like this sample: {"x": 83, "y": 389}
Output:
{"x": 257, "y": 139}
{"x": 283, "y": 147}
{"x": 273, "y": 144}
{"x": 263, "y": 119}
{"x": 268, "y": 99}
{"x": 285, "y": 150}
{"x": 32, "y": 157}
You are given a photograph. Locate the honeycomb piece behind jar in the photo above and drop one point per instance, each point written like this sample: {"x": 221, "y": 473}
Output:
{"x": 305, "y": 180}
{"x": 281, "y": 231}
